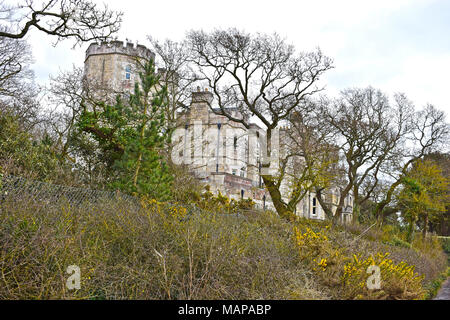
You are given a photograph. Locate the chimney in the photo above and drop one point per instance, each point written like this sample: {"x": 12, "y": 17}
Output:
{"x": 202, "y": 96}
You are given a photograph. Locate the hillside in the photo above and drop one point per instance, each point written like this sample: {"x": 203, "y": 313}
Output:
{"x": 161, "y": 251}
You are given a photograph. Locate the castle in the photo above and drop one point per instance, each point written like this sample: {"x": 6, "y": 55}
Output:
{"x": 220, "y": 152}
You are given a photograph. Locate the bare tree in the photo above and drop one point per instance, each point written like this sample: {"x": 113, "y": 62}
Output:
{"x": 378, "y": 140}
{"x": 66, "y": 95}
{"x": 367, "y": 129}
{"x": 175, "y": 73}
{"x": 19, "y": 94}
{"x": 428, "y": 132}
{"x": 15, "y": 59}
{"x": 260, "y": 75}
{"x": 81, "y": 20}
{"x": 69, "y": 92}
{"x": 308, "y": 159}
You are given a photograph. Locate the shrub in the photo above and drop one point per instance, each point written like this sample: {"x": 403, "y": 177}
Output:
{"x": 430, "y": 246}
{"x": 399, "y": 242}
{"x": 434, "y": 286}
{"x": 398, "y": 281}
{"x": 311, "y": 244}
{"x": 221, "y": 203}
{"x": 185, "y": 187}
{"x": 158, "y": 251}
{"x": 338, "y": 265}
{"x": 176, "y": 251}
{"x": 445, "y": 242}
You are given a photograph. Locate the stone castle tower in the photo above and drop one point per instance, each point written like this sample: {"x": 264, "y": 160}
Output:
{"x": 112, "y": 66}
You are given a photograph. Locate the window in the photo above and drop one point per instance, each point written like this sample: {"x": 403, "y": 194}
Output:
{"x": 234, "y": 171}
{"x": 192, "y": 146}
{"x": 314, "y": 206}
{"x": 128, "y": 72}
{"x": 235, "y": 142}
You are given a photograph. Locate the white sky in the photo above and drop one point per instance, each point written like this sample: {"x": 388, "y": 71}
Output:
{"x": 394, "y": 45}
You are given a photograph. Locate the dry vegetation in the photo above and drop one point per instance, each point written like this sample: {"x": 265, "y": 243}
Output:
{"x": 162, "y": 251}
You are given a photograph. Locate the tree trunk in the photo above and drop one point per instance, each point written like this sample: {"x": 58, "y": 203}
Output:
{"x": 356, "y": 205}
{"x": 282, "y": 209}
{"x": 425, "y": 226}
{"x": 142, "y": 134}
{"x": 356, "y": 212}
{"x": 324, "y": 205}
{"x": 410, "y": 235}
{"x": 337, "y": 215}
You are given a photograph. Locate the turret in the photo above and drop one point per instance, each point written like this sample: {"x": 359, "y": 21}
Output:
{"x": 112, "y": 67}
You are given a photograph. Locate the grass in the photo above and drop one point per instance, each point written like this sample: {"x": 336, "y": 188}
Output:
{"x": 162, "y": 251}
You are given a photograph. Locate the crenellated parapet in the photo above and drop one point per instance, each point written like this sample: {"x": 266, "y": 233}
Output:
{"x": 119, "y": 47}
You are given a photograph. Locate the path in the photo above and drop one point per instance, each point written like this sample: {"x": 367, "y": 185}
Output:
{"x": 444, "y": 292}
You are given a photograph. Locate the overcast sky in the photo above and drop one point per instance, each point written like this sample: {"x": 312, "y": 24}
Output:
{"x": 394, "y": 45}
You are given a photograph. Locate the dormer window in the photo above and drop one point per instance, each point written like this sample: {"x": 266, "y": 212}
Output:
{"x": 128, "y": 72}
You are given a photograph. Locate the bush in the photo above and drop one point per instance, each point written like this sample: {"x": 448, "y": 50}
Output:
{"x": 173, "y": 251}
{"x": 185, "y": 187}
{"x": 430, "y": 246}
{"x": 340, "y": 262}
{"x": 400, "y": 243}
{"x": 434, "y": 286}
{"x": 398, "y": 281}
{"x": 221, "y": 203}
{"x": 159, "y": 251}
{"x": 445, "y": 242}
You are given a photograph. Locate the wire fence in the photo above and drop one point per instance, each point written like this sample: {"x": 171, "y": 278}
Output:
{"x": 18, "y": 189}
{"x": 21, "y": 191}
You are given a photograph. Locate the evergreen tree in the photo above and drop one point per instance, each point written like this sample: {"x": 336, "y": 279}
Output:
{"x": 131, "y": 136}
